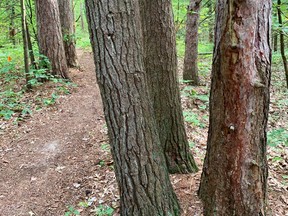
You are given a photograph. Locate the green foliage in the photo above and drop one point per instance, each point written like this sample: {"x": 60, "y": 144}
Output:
{"x": 13, "y": 98}
{"x": 71, "y": 211}
{"x": 194, "y": 119}
{"x": 102, "y": 210}
{"x": 277, "y": 137}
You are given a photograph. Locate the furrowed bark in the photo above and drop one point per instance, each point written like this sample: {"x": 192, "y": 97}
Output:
{"x": 140, "y": 170}
{"x": 234, "y": 175}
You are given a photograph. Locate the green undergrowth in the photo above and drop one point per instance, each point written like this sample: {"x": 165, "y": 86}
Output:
{"x": 16, "y": 102}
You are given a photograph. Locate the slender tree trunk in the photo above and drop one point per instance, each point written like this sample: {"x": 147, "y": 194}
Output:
{"x": 50, "y": 36}
{"x": 234, "y": 175}
{"x": 190, "y": 71}
{"x": 25, "y": 43}
{"x": 81, "y": 17}
{"x": 161, "y": 66}
{"x": 211, "y": 23}
{"x": 275, "y": 42}
{"x": 140, "y": 170}
{"x": 12, "y": 29}
{"x": 282, "y": 42}
{"x": 67, "y": 26}
{"x": 30, "y": 16}
{"x": 30, "y": 46}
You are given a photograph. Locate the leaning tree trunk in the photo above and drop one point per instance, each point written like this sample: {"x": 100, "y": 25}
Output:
{"x": 50, "y": 36}
{"x": 234, "y": 175}
{"x": 190, "y": 72}
{"x": 67, "y": 26}
{"x": 25, "y": 43}
{"x": 140, "y": 170}
{"x": 282, "y": 43}
{"x": 161, "y": 67}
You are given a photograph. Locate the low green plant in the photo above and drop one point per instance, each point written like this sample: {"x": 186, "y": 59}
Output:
{"x": 102, "y": 210}
{"x": 71, "y": 211}
{"x": 193, "y": 118}
{"x": 277, "y": 136}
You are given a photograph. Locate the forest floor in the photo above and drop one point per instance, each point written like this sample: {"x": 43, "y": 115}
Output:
{"x": 58, "y": 161}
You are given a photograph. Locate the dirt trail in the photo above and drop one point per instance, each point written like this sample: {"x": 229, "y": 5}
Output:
{"x": 60, "y": 157}
{"x": 42, "y": 160}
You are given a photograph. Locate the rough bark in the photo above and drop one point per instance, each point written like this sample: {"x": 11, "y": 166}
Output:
{"x": 139, "y": 165}
{"x": 68, "y": 31}
{"x": 234, "y": 175}
{"x": 50, "y": 36}
{"x": 190, "y": 72}
{"x": 161, "y": 67}
{"x": 282, "y": 43}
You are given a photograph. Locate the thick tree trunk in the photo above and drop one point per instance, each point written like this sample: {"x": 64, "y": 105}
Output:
{"x": 282, "y": 43}
{"x": 234, "y": 175}
{"x": 50, "y": 36}
{"x": 161, "y": 67}
{"x": 140, "y": 170}
{"x": 190, "y": 71}
{"x": 67, "y": 26}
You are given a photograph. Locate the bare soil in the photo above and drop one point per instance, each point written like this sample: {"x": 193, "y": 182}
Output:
{"x": 60, "y": 158}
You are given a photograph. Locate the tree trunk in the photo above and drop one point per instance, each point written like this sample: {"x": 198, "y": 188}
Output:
{"x": 30, "y": 46}
{"x": 50, "y": 36}
{"x": 282, "y": 43}
{"x": 140, "y": 170}
{"x": 81, "y": 17}
{"x": 67, "y": 26}
{"x": 211, "y": 20}
{"x": 25, "y": 43}
{"x": 275, "y": 42}
{"x": 234, "y": 175}
{"x": 12, "y": 29}
{"x": 30, "y": 16}
{"x": 161, "y": 67}
{"x": 190, "y": 72}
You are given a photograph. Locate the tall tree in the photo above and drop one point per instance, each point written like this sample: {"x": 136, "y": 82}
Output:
{"x": 25, "y": 42}
{"x": 211, "y": 6}
{"x": 161, "y": 67}
{"x": 234, "y": 175}
{"x": 68, "y": 31}
{"x": 190, "y": 71}
{"x": 50, "y": 36}
{"x": 141, "y": 174}
{"x": 12, "y": 28}
{"x": 282, "y": 43}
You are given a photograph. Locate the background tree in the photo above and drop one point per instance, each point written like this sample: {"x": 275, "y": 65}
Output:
{"x": 68, "y": 31}
{"x": 50, "y": 36}
{"x": 25, "y": 43}
{"x": 140, "y": 170}
{"x": 161, "y": 67}
{"x": 234, "y": 175}
{"x": 282, "y": 43}
{"x": 190, "y": 72}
